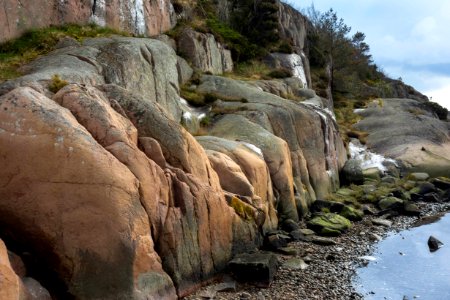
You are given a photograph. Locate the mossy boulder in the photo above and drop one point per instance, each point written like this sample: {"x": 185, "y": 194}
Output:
{"x": 329, "y": 224}
{"x": 418, "y": 176}
{"x": 351, "y": 213}
{"x": 390, "y": 203}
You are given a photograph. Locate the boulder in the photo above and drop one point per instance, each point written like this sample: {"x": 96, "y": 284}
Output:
{"x": 351, "y": 213}
{"x": 256, "y": 267}
{"x": 142, "y": 18}
{"x": 352, "y": 172}
{"x": 204, "y": 52}
{"x": 422, "y": 142}
{"x": 329, "y": 224}
{"x": 434, "y": 244}
{"x": 390, "y": 203}
{"x": 291, "y": 62}
{"x": 184, "y": 70}
{"x": 371, "y": 174}
{"x": 418, "y": 176}
{"x": 35, "y": 289}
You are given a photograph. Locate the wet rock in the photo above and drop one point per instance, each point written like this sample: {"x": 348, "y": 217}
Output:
{"x": 352, "y": 172}
{"x": 257, "y": 267}
{"x": 295, "y": 264}
{"x": 382, "y": 222}
{"x": 390, "y": 203}
{"x": 289, "y": 225}
{"x": 306, "y": 231}
{"x": 329, "y": 224}
{"x": 229, "y": 286}
{"x": 351, "y": 213}
{"x": 434, "y": 244}
{"x": 375, "y": 237}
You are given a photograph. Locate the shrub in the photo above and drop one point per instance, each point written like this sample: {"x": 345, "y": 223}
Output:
{"x": 56, "y": 84}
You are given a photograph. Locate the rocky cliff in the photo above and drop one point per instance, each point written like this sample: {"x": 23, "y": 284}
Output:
{"x": 140, "y": 17}
{"x": 111, "y": 196}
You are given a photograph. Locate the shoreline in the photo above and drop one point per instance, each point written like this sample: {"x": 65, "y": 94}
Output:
{"x": 331, "y": 270}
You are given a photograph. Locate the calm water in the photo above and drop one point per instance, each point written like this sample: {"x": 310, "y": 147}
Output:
{"x": 404, "y": 266}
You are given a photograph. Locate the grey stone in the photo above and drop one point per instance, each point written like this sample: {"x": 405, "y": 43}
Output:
{"x": 204, "y": 52}
{"x": 382, "y": 222}
{"x": 184, "y": 70}
{"x": 352, "y": 172}
{"x": 295, "y": 264}
{"x": 319, "y": 240}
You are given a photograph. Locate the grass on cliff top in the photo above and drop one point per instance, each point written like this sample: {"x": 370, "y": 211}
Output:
{"x": 34, "y": 43}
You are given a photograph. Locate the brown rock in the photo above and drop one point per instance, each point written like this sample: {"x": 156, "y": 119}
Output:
{"x": 10, "y": 284}
{"x": 74, "y": 204}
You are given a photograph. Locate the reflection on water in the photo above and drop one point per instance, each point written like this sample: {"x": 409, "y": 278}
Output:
{"x": 404, "y": 266}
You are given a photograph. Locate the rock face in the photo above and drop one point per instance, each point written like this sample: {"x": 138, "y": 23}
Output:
{"x": 145, "y": 17}
{"x": 292, "y": 62}
{"x": 422, "y": 141}
{"x": 293, "y": 26}
{"x": 288, "y": 135}
{"x": 112, "y": 197}
{"x": 204, "y": 52}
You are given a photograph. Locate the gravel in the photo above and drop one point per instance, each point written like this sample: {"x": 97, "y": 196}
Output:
{"x": 330, "y": 269}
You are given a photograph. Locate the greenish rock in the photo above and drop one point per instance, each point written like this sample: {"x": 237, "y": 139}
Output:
{"x": 351, "y": 213}
{"x": 329, "y": 224}
{"x": 288, "y": 251}
{"x": 408, "y": 185}
{"x": 390, "y": 203}
{"x": 411, "y": 209}
{"x": 419, "y": 176}
{"x": 389, "y": 179}
{"x": 369, "y": 198}
{"x": 306, "y": 231}
{"x": 372, "y": 174}
{"x": 345, "y": 192}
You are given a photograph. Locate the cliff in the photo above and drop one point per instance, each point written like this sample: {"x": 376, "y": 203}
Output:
{"x": 113, "y": 186}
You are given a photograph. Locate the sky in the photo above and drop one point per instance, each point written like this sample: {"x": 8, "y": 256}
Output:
{"x": 407, "y": 38}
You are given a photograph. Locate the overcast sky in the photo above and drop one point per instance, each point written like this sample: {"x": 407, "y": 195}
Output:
{"x": 408, "y": 38}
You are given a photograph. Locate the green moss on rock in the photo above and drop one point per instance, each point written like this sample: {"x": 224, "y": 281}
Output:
{"x": 329, "y": 224}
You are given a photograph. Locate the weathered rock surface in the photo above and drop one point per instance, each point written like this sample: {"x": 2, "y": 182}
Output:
{"x": 257, "y": 267}
{"x": 293, "y": 26}
{"x": 145, "y": 65}
{"x": 114, "y": 198}
{"x": 405, "y": 130}
{"x": 137, "y": 17}
{"x": 288, "y": 134}
{"x": 204, "y": 52}
{"x": 77, "y": 199}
